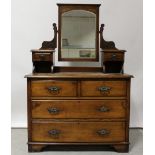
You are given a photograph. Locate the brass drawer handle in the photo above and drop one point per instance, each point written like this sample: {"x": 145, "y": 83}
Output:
{"x": 53, "y": 110}
{"x": 54, "y": 132}
{"x": 54, "y": 88}
{"x": 103, "y": 132}
{"x": 104, "y": 88}
{"x": 104, "y": 109}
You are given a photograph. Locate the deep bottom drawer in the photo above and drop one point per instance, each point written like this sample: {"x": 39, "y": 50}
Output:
{"x": 78, "y": 131}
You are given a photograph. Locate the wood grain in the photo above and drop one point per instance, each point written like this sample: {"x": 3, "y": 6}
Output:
{"x": 78, "y": 109}
{"x": 110, "y": 56}
{"x": 91, "y": 88}
{"x": 78, "y": 131}
{"x": 41, "y": 88}
{"x": 79, "y": 75}
{"x": 42, "y": 57}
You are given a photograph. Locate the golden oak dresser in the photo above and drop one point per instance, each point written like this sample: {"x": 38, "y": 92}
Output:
{"x": 71, "y": 107}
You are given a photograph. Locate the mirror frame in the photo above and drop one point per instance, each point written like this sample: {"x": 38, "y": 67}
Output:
{"x": 62, "y": 8}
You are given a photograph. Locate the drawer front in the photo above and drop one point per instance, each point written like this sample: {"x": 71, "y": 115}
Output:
{"x": 113, "y": 56}
{"x": 49, "y": 88}
{"x": 42, "y": 57}
{"x": 79, "y": 109}
{"x": 78, "y": 131}
{"x": 103, "y": 88}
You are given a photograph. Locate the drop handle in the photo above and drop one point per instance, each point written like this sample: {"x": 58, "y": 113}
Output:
{"x": 103, "y": 132}
{"x": 104, "y": 109}
{"x": 53, "y": 110}
{"x": 104, "y": 88}
{"x": 54, "y": 88}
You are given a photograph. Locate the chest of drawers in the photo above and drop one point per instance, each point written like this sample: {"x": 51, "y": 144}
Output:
{"x": 67, "y": 109}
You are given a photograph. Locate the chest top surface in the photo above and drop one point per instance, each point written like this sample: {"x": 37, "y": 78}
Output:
{"x": 78, "y": 75}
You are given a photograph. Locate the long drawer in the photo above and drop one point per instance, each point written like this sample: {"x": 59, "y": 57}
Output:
{"x": 78, "y": 109}
{"x": 53, "y": 88}
{"x": 103, "y": 88}
{"x": 78, "y": 131}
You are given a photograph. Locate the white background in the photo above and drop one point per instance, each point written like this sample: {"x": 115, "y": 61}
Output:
{"x": 32, "y": 23}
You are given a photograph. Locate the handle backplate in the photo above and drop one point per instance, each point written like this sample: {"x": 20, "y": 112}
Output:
{"x": 54, "y": 89}
{"x": 104, "y": 109}
{"x": 53, "y": 110}
{"x": 104, "y": 89}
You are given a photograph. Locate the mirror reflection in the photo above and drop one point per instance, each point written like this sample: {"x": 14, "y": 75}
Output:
{"x": 78, "y": 34}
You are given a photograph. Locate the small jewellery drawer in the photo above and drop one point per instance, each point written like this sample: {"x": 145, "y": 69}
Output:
{"x": 50, "y": 88}
{"x": 103, "y": 88}
{"x": 114, "y": 56}
{"x": 42, "y": 57}
{"x": 78, "y": 131}
{"x": 79, "y": 109}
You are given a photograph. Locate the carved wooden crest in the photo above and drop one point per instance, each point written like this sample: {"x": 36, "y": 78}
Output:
{"x": 105, "y": 44}
{"x": 53, "y": 43}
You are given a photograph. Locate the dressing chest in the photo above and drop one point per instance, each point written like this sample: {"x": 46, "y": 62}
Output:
{"x": 78, "y": 106}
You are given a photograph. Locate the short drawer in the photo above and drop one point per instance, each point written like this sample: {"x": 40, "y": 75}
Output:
{"x": 42, "y": 57}
{"x": 50, "y": 88}
{"x": 103, "y": 88}
{"x": 79, "y": 109}
{"x": 78, "y": 131}
{"x": 114, "y": 56}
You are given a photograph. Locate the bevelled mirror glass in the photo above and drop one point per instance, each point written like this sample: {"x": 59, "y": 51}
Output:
{"x": 78, "y": 33}
{"x": 78, "y": 36}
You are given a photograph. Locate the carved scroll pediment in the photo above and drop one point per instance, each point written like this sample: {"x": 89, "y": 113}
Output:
{"x": 105, "y": 44}
{"x": 53, "y": 43}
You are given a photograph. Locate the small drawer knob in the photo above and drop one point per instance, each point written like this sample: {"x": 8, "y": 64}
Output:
{"x": 103, "y": 132}
{"x": 54, "y": 132}
{"x": 42, "y": 56}
{"x": 113, "y": 57}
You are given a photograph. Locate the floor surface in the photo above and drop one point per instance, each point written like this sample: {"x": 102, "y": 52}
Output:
{"x": 19, "y": 145}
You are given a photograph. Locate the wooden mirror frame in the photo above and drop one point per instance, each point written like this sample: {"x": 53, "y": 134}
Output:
{"x": 94, "y": 8}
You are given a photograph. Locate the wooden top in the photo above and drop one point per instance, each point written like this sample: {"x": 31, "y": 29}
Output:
{"x": 59, "y": 4}
{"x": 39, "y": 50}
{"x": 112, "y": 50}
{"x": 79, "y": 75}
